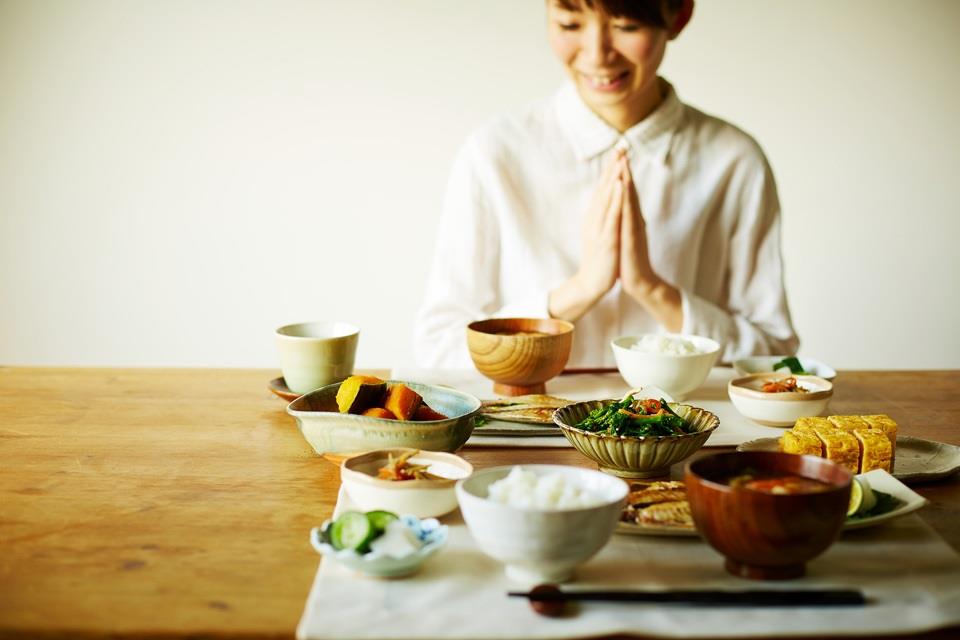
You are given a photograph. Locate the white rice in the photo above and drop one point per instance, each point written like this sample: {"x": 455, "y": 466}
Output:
{"x": 666, "y": 345}
{"x": 527, "y": 490}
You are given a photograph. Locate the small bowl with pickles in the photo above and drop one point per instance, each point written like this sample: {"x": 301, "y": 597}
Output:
{"x": 635, "y": 437}
{"x": 379, "y": 543}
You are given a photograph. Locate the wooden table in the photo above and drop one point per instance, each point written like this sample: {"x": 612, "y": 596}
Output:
{"x": 147, "y": 502}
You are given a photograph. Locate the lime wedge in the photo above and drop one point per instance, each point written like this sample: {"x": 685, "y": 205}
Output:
{"x": 352, "y": 530}
{"x": 862, "y": 498}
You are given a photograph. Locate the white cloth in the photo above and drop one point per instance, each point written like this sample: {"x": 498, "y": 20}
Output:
{"x": 910, "y": 576}
{"x": 512, "y": 219}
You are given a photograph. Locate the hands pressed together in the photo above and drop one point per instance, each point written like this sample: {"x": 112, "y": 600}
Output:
{"x": 615, "y": 246}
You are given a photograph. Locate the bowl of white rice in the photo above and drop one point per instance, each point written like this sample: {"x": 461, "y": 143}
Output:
{"x": 677, "y": 363}
{"x": 541, "y": 521}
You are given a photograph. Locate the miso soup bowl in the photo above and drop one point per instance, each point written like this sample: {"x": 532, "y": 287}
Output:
{"x": 767, "y": 536}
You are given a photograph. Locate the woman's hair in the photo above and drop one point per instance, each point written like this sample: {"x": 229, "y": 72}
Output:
{"x": 655, "y": 13}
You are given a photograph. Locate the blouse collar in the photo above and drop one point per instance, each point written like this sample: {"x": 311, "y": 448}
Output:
{"x": 591, "y": 136}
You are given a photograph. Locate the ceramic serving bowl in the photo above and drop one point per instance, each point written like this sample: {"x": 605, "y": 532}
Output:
{"x": 422, "y": 498}
{"x": 779, "y": 409}
{"x": 764, "y": 364}
{"x": 678, "y": 375}
{"x": 431, "y": 534}
{"x": 635, "y": 457}
{"x": 541, "y": 545}
{"x": 765, "y": 535}
{"x": 519, "y": 354}
{"x": 329, "y": 431}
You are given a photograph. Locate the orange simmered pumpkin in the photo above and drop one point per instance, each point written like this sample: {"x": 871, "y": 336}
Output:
{"x": 402, "y": 401}
{"x": 359, "y": 393}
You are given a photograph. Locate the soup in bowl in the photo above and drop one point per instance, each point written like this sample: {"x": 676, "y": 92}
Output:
{"x": 768, "y": 513}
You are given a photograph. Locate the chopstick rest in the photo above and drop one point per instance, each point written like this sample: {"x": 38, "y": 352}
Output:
{"x": 549, "y": 600}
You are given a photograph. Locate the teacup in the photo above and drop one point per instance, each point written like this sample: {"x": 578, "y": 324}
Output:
{"x": 315, "y": 354}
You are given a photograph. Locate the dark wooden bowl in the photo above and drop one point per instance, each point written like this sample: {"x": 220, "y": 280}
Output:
{"x": 520, "y": 354}
{"x": 767, "y": 536}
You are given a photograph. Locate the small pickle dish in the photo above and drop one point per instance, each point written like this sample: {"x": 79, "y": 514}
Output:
{"x": 633, "y": 438}
{"x": 431, "y": 417}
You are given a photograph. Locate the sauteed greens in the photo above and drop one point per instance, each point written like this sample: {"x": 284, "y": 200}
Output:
{"x": 639, "y": 418}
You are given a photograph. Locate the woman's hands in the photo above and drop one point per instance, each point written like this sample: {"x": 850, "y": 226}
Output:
{"x": 615, "y": 246}
{"x": 600, "y": 254}
{"x": 637, "y": 276}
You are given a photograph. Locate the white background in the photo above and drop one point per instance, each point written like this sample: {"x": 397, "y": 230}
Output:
{"x": 180, "y": 177}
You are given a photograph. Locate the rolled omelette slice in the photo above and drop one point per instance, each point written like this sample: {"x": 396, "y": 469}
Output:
{"x": 875, "y": 450}
{"x": 840, "y": 446}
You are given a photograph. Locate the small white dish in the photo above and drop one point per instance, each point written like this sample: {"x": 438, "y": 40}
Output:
{"x": 422, "y": 498}
{"x": 431, "y": 534}
{"x": 880, "y": 480}
{"x": 764, "y": 364}
{"x": 779, "y": 409}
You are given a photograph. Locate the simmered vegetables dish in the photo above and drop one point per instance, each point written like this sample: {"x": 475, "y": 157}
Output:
{"x": 371, "y": 396}
{"x": 638, "y": 418}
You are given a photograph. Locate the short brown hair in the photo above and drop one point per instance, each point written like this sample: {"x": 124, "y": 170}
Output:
{"x": 656, "y": 13}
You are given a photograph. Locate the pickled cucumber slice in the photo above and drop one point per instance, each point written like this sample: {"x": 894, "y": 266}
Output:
{"x": 352, "y": 530}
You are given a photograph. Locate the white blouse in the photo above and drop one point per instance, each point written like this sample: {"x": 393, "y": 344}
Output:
{"x": 512, "y": 223}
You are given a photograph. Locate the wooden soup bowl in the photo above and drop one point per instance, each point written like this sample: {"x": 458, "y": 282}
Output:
{"x": 520, "y": 354}
{"x": 766, "y": 536}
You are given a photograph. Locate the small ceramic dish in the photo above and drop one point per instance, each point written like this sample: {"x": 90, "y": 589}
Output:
{"x": 278, "y": 386}
{"x": 779, "y": 409}
{"x": 431, "y": 534}
{"x": 630, "y": 456}
{"x": 677, "y": 374}
{"x": 764, "y": 364}
{"x": 422, "y": 498}
{"x": 329, "y": 431}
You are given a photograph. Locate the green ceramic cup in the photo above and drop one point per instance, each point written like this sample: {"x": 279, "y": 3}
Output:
{"x": 315, "y": 354}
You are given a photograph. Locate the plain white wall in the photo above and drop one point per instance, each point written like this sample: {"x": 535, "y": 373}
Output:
{"x": 178, "y": 178}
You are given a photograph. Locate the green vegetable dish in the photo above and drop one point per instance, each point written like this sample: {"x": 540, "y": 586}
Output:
{"x": 637, "y": 418}
{"x": 791, "y": 363}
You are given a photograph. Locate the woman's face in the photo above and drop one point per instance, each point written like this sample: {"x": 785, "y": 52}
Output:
{"x": 612, "y": 60}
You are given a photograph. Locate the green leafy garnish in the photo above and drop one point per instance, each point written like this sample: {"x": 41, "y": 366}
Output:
{"x": 636, "y": 418}
{"x": 885, "y": 504}
{"x": 791, "y": 363}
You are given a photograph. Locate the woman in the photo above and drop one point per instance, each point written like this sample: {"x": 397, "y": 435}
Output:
{"x": 612, "y": 205}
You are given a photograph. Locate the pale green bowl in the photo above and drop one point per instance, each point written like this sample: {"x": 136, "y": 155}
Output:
{"x": 329, "y": 431}
{"x": 630, "y": 456}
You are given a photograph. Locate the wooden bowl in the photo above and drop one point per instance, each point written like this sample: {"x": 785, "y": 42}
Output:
{"x": 520, "y": 354}
{"x": 767, "y": 536}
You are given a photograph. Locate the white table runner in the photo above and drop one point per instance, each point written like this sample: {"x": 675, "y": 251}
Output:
{"x": 712, "y": 395}
{"x": 910, "y": 575}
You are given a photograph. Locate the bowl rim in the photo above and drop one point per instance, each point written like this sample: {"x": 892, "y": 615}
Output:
{"x": 461, "y": 491}
{"x": 354, "y": 417}
{"x": 689, "y": 472}
{"x": 739, "y": 365}
{"x": 715, "y": 348}
{"x": 348, "y": 473}
{"x": 714, "y": 425}
{"x": 736, "y": 388}
{"x": 565, "y": 326}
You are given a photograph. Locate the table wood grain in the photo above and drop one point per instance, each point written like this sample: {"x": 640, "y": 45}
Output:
{"x": 174, "y": 503}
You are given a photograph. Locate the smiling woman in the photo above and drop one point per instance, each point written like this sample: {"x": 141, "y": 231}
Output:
{"x": 612, "y": 205}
